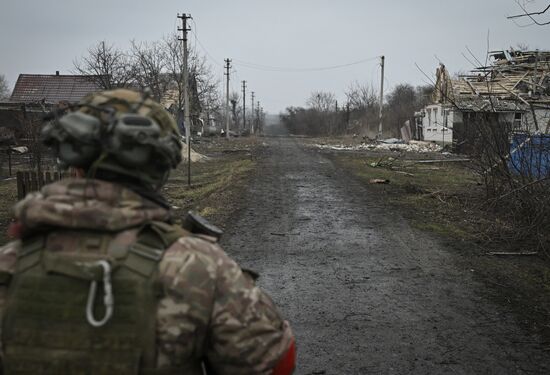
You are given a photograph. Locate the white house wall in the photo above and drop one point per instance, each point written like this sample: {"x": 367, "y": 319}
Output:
{"x": 437, "y": 124}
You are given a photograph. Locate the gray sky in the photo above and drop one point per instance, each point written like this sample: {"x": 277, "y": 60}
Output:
{"x": 42, "y": 36}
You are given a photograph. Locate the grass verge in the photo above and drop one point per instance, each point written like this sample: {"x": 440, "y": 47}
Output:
{"x": 216, "y": 183}
{"x": 444, "y": 198}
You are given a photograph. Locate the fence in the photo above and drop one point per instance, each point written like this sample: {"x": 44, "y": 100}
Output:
{"x": 29, "y": 181}
{"x": 13, "y": 161}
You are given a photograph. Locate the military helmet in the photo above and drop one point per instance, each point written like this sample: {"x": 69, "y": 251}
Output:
{"x": 120, "y": 131}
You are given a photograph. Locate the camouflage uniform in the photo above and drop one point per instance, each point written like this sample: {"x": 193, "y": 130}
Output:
{"x": 210, "y": 310}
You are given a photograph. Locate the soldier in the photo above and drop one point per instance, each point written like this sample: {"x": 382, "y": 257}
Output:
{"x": 100, "y": 280}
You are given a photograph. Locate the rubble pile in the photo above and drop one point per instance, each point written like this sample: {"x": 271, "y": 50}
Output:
{"x": 195, "y": 156}
{"x": 412, "y": 146}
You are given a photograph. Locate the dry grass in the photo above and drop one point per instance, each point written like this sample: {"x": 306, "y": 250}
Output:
{"x": 213, "y": 189}
{"x": 437, "y": 196}
{"x": 8, "y": 194}
{"x": 446, "y": 199}
{"x": 214, "y": 192}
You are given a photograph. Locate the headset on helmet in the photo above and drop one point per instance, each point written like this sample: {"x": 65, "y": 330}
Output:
{"x": 120, "y": 131}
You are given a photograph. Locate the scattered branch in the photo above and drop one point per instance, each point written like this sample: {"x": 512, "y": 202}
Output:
{"x": 531, "y": 14}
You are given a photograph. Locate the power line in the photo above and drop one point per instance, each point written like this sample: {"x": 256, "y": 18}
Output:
{"x": 298, "y": 70}
{"x": 251, "y": 65}
{"x": 205, "y": 50}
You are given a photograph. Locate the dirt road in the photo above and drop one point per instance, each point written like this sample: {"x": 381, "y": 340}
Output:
{"x": 366, "y": 293}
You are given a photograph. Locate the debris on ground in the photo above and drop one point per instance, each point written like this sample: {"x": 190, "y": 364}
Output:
{"x": 460, "y": 160}
{"x": 384, "y": 162}
{"x": 195, "y": 156}
{"x": 503, "y": 253}
{"x": 412, "y": 146}
{"x": 391, "y": 141}
{"x": 379, "y": 181}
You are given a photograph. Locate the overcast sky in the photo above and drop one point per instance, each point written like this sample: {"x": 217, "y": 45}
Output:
{"x": 42, "y": 36}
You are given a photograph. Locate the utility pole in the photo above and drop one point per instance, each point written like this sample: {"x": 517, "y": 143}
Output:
{"x": 187, "y": 118}
{"x": 227, "y": 67}
{"x": 244, "y": 105}
{"x": 381, "y": 96}
{"x": 258, "y": 116}
{"x": 252, "y": 119}
{"x": 262, "y": 118}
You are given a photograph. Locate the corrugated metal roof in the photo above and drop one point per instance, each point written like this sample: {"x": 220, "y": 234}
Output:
{"x": 52, "y": 88}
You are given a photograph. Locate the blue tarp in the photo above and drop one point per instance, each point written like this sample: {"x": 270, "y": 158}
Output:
{"x": 530, "y": 155}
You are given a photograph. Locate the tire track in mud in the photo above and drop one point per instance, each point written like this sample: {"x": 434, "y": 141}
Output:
{"x": 364, "y": 292}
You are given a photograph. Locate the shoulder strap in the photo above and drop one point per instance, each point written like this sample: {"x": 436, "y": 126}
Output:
{"x": 152, "y": 241}
{"x": 168, "y": 233}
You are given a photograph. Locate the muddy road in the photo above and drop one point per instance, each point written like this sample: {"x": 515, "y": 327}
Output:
{"x": 366, "y": 293}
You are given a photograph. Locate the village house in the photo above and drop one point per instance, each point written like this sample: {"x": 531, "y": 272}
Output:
{"x": 36, "y": 94}
{"x": 514, "y": 89}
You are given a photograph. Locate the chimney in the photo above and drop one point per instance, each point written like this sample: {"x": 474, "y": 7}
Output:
{"x": 57, "y": 72}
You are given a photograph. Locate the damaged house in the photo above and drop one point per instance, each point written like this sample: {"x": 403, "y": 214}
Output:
{"x": 513, "y": 90}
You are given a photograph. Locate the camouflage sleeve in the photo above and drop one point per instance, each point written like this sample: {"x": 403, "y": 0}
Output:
{"x": 8, "y": 256}
{"x": 247, "y": 334}
{"x": 213, "y": 311}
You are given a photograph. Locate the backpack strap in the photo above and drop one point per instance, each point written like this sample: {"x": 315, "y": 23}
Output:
{"x": 142, "y": 257}
{"x": 29, "y": 254}
{"x": 152, "y": 241}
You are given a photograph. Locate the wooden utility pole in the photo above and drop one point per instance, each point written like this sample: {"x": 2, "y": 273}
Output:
{"x": 252, "y": 119}
{"x": 244, "y": 105}
{"x": 227, "y": 67}
{"x": 381, "y": 96}
{"x": 258, "y": 115}
{"x": 187, "y": 118}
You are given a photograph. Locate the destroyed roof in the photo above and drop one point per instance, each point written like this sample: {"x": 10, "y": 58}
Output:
{"x": 512, "y": 77}
{"x": 52, "y": 89}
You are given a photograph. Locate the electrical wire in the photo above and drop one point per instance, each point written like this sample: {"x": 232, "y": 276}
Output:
{"x": 269, "y": 68}
{"x": 199, "y": 43}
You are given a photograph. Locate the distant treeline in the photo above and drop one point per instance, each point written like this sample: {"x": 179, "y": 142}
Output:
{"x": 324, "y": 116}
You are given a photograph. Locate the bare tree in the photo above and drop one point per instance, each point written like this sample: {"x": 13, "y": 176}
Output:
{"x": 236, "y": 109}
{"x": 106, "y": 65}
{"x": 157, "y": 66}
{"x": 149, "y": 63}
{"x": 361, "y": 96}
{"x": 4, "y": 90}
{"x": 401, "y": 105}
{"x": 173, "y": 62}
{"x": 534, "y": 17}
{"x": 202, "y": 75}
{"x": 322, "y": 101}
{"x": 204, "y": 94}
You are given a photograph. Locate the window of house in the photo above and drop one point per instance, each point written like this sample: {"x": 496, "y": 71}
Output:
{"x": 518, "y": 117}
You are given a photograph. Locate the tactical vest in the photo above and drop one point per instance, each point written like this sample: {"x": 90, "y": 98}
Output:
{"x": 87, "y": 312}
